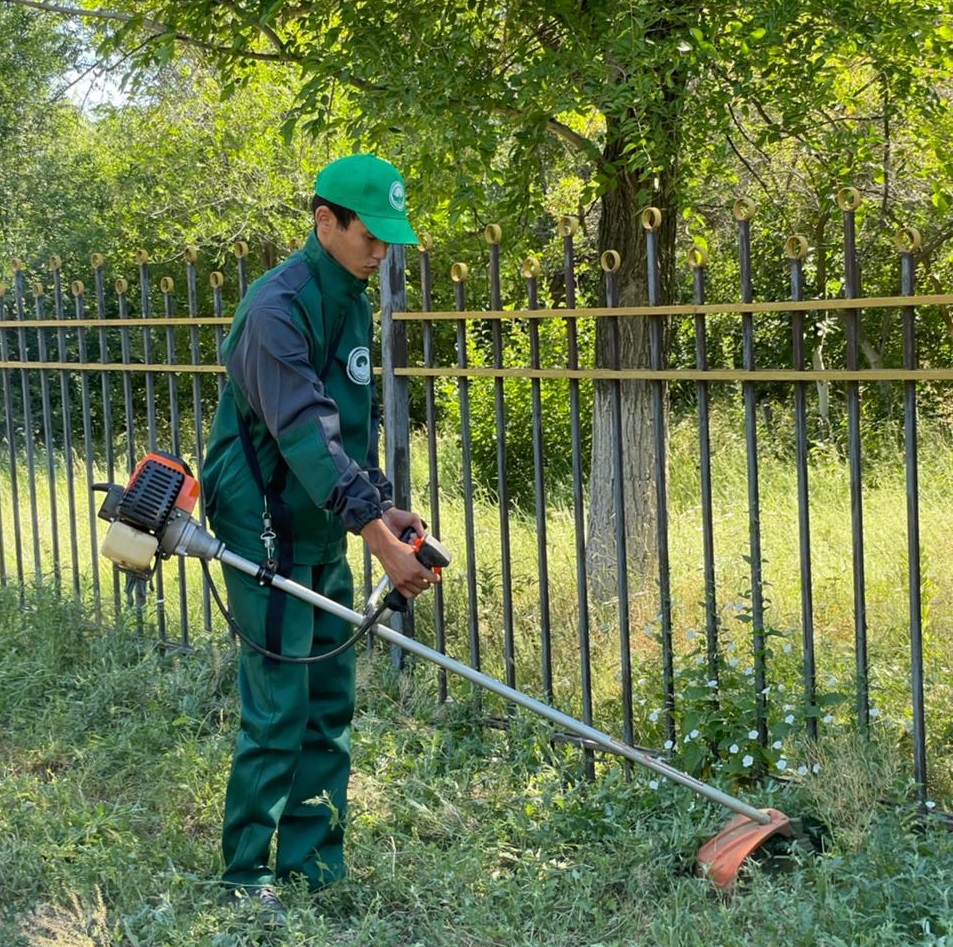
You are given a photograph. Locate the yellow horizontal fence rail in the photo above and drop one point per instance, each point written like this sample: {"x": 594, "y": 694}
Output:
{"x": 687, "y": 309}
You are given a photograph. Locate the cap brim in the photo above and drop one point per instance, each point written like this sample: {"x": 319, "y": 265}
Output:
{"x": 390, "y": 229}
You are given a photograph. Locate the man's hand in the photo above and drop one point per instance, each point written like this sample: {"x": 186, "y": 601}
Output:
{"x": 397, "y": 558}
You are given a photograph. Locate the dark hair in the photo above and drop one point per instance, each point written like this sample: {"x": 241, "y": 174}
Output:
{"x": 344, "y": 214}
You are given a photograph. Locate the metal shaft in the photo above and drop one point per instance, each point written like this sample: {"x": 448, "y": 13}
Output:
{"x": 503, "y": 690}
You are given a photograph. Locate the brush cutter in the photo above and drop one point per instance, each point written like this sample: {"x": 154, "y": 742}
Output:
{"x": 150, "y": 519}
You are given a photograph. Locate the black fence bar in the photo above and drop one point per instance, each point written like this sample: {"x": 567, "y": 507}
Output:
{"x": 65, "y": 403}
{"x": 6, "y": 384}
{"x": 849, "y": 201}
{"x": 167, "y": 287}
{"x": 433, "y": 465}
{"x": 122, "y": 302}
{"x": 610, "y": 262}
{"x": 29, "y": 431}
{"x": 97, "y": 262}
{"x": 459, "y": 273}
{"x": 493, "y": 237}
{"x": 651, "y": 221}
{"x": 567, "y": 229}
{"x": 743, "y": 212}
{"x": 198, "y": 418}
{"x": 796, "y": 249}
{"x": 531, "y": 271}
{"x": 217, "y": 281}
{"x": 46, "y": 410}
{"x": 909, "y": 243}
{"x": 78, "y": 290}
{"x": 698, "y": 261}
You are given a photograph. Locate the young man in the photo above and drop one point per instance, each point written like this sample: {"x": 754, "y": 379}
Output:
{"x": 293, "y": 452}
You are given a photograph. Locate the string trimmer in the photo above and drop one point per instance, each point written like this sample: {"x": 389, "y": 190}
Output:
{"x": 151, "y": 519}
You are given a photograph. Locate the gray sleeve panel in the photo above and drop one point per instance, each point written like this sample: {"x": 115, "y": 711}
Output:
{"x": 271, "y": 366}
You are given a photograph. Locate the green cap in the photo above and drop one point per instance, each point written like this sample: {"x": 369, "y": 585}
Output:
{"x": 374, "y": 190}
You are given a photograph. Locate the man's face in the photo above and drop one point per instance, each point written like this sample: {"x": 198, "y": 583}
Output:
{"x": 354, "y": 247}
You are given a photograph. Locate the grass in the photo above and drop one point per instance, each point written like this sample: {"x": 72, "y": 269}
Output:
{"x": 114, "y": 757}
{"x": 114, "y": 753}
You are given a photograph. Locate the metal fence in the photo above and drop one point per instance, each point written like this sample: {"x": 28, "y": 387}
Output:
{"x": 92, "y": 379}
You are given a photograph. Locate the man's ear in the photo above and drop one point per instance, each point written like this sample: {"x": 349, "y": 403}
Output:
{"x": 322, "y": 217}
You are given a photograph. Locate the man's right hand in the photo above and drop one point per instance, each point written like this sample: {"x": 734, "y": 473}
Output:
{"x": 398, "y": 560}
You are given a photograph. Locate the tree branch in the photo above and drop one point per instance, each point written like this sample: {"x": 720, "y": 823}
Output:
{"x": 154, "y": 27}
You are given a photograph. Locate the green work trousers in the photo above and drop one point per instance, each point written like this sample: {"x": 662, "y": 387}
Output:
{"x": 292, "y": 756}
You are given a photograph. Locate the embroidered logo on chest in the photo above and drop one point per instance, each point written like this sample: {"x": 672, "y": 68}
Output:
{"x": 359, "y": 365}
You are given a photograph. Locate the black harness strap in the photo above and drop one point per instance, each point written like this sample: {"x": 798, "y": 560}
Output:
{"x": 282, "y": 525}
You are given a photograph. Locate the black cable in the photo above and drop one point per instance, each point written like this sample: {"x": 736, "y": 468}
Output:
{"x": 362, "y": 630}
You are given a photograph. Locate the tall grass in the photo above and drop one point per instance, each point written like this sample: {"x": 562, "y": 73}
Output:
{"x": 886, "y": 588}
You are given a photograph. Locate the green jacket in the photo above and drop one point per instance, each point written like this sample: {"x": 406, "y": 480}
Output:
{"x": 299, "y": 370}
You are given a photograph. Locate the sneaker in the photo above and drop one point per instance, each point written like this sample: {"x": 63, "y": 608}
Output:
{"x": 264, "y": 899}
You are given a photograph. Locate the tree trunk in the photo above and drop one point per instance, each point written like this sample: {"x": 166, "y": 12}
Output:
{"x": 620, "y": 229}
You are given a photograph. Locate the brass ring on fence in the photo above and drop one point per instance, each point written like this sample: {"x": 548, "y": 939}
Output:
{"x": 56, "y": 263}
{"x": 796, "y": 247}
{"x": 848, "y": 198}
{"x": 531, "y": 268}
{"x": 191, "y": 254}
{"x": 567, "y": 226}
{"x": 697, "y": 257}
{"x": 16, "y": 263}
{"x": 37, "y": 288}
{"x": 610, "y": 261}
{"x": 97, "y": 261}
{"x": 142, "y": 257}
{"x": 651, "y": 218}
{"x": 493, "y": 233}
{"x": 743, "y": 209}
{"x": 122, "y": 286}
{"x": 167, "y": 284}
{"x": 426, "y": 242}
{"x": 908, "y": 240}
{"x": 459, "y": 272}
{"x": 216, "y": 279}
{"x": 240, "y": 249}
{"x": 77, "y": 287}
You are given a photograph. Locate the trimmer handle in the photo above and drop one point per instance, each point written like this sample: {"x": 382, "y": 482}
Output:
{"x": 430, "y": 552}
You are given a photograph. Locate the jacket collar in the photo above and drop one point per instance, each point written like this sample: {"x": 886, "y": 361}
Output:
{"x": 334, "y": 280}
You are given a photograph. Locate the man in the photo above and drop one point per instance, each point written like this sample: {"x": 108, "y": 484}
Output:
{"x": 291, "y": 468}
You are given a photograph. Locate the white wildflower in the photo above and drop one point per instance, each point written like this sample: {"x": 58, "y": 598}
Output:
{"x": 776, "y": 745}
{"x": 668, "y": 744}
{"x": 828, "y": 718}
{"x": 733, "y": 748}
{"x": 653, "y": 716}
{"x": 782, "y": 763}
{"x": 747, "y": 760}
{"x": 653, "y": 784}
{"x": 802, "y": 770}
{"x": 789, "y": 718}
{"x": 752, "y": 734}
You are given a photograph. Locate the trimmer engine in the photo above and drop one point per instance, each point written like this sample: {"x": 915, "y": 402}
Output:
{"x": 152, "y": 516}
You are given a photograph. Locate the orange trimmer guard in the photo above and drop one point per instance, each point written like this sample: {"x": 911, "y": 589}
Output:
{"x": 720, "y": 859}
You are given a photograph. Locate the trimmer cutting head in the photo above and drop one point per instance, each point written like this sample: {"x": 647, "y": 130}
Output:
{"x": 720, "y": 859}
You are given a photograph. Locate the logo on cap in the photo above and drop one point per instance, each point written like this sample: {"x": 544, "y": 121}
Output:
{"x": 396, "y": 196}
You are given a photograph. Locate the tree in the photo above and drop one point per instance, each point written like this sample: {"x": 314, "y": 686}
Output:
{"x": 475, "y": 94}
